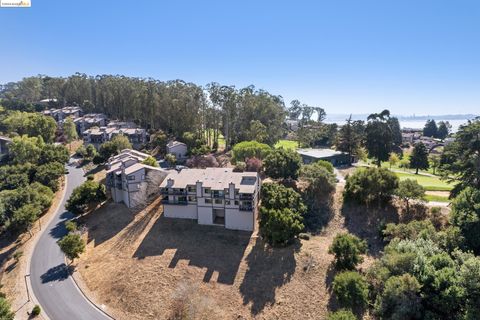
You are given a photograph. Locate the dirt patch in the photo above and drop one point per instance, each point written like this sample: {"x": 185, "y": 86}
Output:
{"x": 12, "y": 272}
{"x": 145, "y": 266}
{"x": 445, "y": 194}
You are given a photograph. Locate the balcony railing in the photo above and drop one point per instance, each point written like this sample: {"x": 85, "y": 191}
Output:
{"x": 173, "y": 192}
{"x": 245, "y": 208}
{"x": 246, "y": 196}
{"x": 179, "y": 203}
{"x": 218, "y": 195}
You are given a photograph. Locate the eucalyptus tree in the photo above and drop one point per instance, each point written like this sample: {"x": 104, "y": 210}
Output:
{"x": 379, "y": 137}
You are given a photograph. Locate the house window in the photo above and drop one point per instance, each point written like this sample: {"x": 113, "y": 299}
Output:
{"x": 218, "y": 201}
{"x": 227, "y": 202}
{"x": 207, "y": 200}
{"x": 192, "y": 198}
{"x": 191, "y": 189}
{"x": 236, "y": 202}
{"x": 206, "y": 190}
{"x": 131, "y": 178}
{"x": 143, "y": 177}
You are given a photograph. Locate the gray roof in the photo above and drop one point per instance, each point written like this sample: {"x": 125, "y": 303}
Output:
{"x": 214, "y": 178}
{"x": 319, "y": 153}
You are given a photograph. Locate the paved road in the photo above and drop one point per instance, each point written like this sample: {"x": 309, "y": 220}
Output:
{"x": 54, "y": 289}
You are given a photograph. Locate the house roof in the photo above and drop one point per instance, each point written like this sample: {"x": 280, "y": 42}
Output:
{"x": 172, "y": 144}
{"x": 5, "y": 138}
{"x": 319, "y": 153}
{"x": 214, "y": 178}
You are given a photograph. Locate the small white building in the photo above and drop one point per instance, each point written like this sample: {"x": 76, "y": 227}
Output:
{"x": 130, "y": 181}
{"x": 178, "y": 149}
{"x": 213, "y": 196}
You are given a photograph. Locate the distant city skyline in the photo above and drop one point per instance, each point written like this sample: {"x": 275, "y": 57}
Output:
{"x": 355, "y": 57}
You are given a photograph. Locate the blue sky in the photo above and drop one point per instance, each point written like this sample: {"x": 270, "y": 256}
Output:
{"x": 419, "y": 57}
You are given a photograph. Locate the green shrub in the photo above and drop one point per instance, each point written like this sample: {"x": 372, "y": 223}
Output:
{"x": 341, "y": 315}
{"x": 36, "y": 311}
{"x": 370, "y": 185}
{"x": 351, "y": 289}
{"x": 249, "y": 149}
{"x": 85, "y": 196}
{"x": 17, "y": 255}
{"x": 240, "y": 166}
{"x": 71, "y": 226}
{"x": 282, "y": 164}
{"x": 326, "y": 164}
{"x": 465, "y": 215}
{"x": 347, "y": 249}
{"x": 6, "y": 312}
{"x": 281, "y": 214}
{"x": 400, "y": 299}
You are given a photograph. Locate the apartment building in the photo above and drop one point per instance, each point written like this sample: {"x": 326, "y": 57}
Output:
{"x": 98, "y": 135}
{"x": 213, "y": 196}
{"x": 63, "y": 113}
{"x": 90, "y": 120}
{"x": 130, "y": 181}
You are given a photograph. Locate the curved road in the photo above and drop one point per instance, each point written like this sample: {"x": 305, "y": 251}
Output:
{"x": 54, "y": 289}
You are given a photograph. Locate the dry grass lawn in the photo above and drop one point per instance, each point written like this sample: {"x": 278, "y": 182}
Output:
{"x": 145, "y": 266}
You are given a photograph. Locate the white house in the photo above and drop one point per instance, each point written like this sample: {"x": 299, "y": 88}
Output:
{"x": 178, "y": 149}
{"x": 130, "y": 181}
{"x": 213, "y": 196}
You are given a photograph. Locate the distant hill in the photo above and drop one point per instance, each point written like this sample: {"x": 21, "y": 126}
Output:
{"x": 343, "y": 117}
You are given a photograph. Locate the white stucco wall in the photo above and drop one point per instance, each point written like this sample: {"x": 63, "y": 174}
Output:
{"x": 205, "y": 215}
{"x": 180, "y": 211}
{"x": 238, "y": 220}
{"x": 180, "y": 151}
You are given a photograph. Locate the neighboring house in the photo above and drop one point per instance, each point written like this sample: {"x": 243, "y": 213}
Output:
{"x": 336, "y": 158}
{"x": 90, "y": 120}
{"x": 213, "y": 196}
{"x": 96, "y": 136}
{"x": 63, "y": 113}
{"x": 429, "y": 142}
{"x": 408, "y": 137}
{"x": 448, "y": 140}
{"x": 292, "y": 125}
{"x": 4, "y": 142}
{"x": 130, "y": 181}
{"x": 178, "y": 149}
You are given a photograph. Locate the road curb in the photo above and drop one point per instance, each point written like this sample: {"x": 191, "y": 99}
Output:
{"x": 33, "y": 299}
{"x": 29, "y": 284}
{"x": 88, "y": 299}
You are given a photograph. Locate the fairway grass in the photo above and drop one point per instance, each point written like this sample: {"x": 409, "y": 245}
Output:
{"x": 432, "y": 197}
{"x": 428, "y": 182}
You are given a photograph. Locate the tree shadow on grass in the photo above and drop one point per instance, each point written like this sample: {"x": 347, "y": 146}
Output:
{"x": 368, "y": 222}
{"x": 214, "y": 248}
{"x": 268, "y": 269}
{"x": 57, "y": 273}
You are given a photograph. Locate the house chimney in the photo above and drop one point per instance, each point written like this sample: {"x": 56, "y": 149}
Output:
{"x": 231, "y": 190}
{"x": 170, "y": 182}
